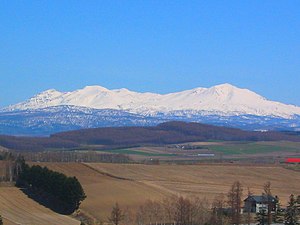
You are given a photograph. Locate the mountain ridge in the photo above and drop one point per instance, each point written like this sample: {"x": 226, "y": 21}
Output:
{"x": 53, "y": 111}
{"x": 223, "y": 99}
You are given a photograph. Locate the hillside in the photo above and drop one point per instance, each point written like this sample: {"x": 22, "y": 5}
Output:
{"x": 16, "y": 208}
{"x": 164, "y": 133}
{"x": 103, "y": 190}
{"x": 167, "y": 133}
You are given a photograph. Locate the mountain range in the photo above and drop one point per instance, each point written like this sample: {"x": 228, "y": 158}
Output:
{"x": 95, "y": 106}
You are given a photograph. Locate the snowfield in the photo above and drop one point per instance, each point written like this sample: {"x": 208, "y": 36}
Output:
{"x": 224, "y": 99}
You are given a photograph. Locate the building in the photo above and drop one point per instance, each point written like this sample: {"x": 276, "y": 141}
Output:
{"x": 257, "y": 203}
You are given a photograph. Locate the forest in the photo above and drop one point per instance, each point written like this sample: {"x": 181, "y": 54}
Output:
{"x": 53, "y": 189}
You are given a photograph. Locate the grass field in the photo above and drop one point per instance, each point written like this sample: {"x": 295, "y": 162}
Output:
{"x": 225, "y": 150}
{"x": 236, "y": 148}
{"x": 137, "y": 152}
{"x": 16, "y": 208}
{"x": 132, "y": 184}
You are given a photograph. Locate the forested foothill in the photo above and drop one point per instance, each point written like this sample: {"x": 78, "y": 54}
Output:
{"x": 34, "y": 143}
{"x": 165, "y": 133}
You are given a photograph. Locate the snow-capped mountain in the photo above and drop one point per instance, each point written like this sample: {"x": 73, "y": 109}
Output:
{"x": 224, "y": 99}
{"x": 95, "y": 106}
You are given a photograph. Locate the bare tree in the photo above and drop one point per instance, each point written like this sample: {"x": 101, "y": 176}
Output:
{"x": 117, "y": 215}
{"x": 155, "y": 210}
{"x": 217, "y": 215}
{"x": 235, "y": 202}
{"x": 168, "y": 206}
{"x": 268, "y": 197}
{"x": 248, "y": 216}
{"x": 174, "y": 210}
{"x": 200, "y": 211}
{"x": 141, "y": 216}
{"x": 129, "y": 216}
{"x": 183, "y": 211}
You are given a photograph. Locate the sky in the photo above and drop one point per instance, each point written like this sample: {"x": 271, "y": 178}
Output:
{"x": 149, "y": 46}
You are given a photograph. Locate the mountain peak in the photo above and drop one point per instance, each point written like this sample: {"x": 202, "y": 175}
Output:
{"x": 94, "y": 88}
{"x": 225, "y": 85}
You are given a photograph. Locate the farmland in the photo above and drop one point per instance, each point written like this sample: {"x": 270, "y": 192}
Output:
{"x": 132, "y": 184}
{"x": 181, "y": 171}
{"x": 245, "y": 150}
{"x": 16, "y": 208}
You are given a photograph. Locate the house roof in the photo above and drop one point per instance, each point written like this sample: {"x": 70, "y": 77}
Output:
{"x": 261, "y": 198}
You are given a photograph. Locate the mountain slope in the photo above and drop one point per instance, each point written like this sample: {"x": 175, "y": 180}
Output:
{"x": 49, "y": 120}
{"x": 167, "y": 133}
{"x": 222, "y": 99}
{"x": 93, "y": 106}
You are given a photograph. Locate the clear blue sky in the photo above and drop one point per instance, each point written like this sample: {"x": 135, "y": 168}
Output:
{"x": 158, "y": 46}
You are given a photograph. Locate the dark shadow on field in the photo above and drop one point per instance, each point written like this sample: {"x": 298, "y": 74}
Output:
{"x": 47, "y": 200}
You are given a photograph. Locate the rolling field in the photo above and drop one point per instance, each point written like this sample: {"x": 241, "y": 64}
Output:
{"x": 103, "y": 190}
{"x": 245, "y": 150}
{"x": 16, "y": 209}
{"x": 132, "y": 184}
{"x": 239, "y": 148}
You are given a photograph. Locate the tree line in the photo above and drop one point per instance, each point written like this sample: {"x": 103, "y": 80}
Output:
{"x": 224, "y": 210}
{"x": 34, "y": 143}
{"x": 75, "y": 156}
{"x": 10, "y": 166}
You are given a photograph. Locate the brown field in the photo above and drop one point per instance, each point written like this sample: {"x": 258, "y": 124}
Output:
{"x": 16, "y": 208}
{"x": 132, "y": 184}
{"x": 104, "y": 191}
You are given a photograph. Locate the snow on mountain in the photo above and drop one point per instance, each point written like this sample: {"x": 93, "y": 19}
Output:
{"x": 224, "y": 99}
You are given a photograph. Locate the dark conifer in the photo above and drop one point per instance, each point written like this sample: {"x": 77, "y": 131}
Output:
{"x": 292, "y": 214}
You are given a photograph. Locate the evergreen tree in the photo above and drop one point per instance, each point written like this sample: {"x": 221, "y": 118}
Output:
{"x": 1, "y": 222}
{"x": 298, "y": 204}
{"x": 292, "y": 213}
{"x": 262, "y": 216}
{"x": 279, "y": 214}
